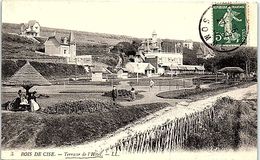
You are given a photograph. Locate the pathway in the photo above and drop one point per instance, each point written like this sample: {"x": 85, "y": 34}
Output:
{"x": 169, "y": 113}
{"x": 158, "y": 118}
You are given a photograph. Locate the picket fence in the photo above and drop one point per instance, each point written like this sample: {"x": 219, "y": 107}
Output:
{"x": 169, "y": 136}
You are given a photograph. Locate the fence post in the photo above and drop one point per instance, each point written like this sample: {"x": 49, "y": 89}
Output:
{"x": 169, "y": 85}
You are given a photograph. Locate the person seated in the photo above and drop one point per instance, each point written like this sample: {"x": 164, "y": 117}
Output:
{"x": 17, "y": 101}
{"x": 34, "y": 106}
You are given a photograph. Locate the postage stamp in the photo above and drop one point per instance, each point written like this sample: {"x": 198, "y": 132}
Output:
{"x": 223, "y": 27}
{"x": 229, "y": 24}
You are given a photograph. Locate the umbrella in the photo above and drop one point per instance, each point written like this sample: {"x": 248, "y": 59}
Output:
{"x": 27, "y": 77}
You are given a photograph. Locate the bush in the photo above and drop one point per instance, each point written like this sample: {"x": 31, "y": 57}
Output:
{"x": 232, "y": 118}
{"x": 80, "y": 106}
{"x": 187, "y": 93}
{"x": 32, "y": 130}
{"x": 48, "y": 70}
{"x": 121, "y": 93}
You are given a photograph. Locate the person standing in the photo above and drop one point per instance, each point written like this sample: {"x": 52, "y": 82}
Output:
{"x": 114, "y": 94}
{"x": 151, "y": 84}
{"x": 133, "y": 94}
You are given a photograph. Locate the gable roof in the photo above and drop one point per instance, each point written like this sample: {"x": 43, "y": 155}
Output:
{"x": 32, "y": 23}
{"x": 55, "y": 38}
{"x": 149, "y": 67}
{"x": 100, "y": 69}
{"x": 28, "y": 75}
{"x": 59, "y": 39}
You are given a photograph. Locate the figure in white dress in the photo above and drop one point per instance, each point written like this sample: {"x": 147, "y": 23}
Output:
{"x": 226, "y": 22}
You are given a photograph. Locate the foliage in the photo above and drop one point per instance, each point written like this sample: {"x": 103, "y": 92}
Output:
{"x": 232, "y": 119}
{"x": 80, "y": 106}
{"x": 81, "y": 36}
{"x": 49, "y": 70}
{"x": 121, "y": 93}
{"x": 238, "y": 58}
{"x": 187, "y": 93}
{"x": 45, "y": 130}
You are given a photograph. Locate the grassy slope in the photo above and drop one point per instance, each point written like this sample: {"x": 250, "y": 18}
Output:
{"x": 88, "y": 43}
{"x": 200, "y": 93}
{"x": 45, "y": 130}
{"x": 95, "y": 43}
{"x": 234, "y": 126}
{"x": 82, "y": 37}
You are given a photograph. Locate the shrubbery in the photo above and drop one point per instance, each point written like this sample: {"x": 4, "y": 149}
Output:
{"x": 45, "y": 130}
{"x": 121, "y": 93}
{"x": 80, "y": 106}
{"x": 186, "y": 93}
{"x": 232, "y": 119}
{"x": 48, "y": 70}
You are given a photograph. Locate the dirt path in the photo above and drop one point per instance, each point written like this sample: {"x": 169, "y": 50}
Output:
{"x": 158, "y": 118}
{"x": 169, "y": 113}
{"x": 149, "y": 94}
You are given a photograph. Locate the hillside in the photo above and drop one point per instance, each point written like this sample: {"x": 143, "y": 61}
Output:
{"x": 94, "y": 43}
{"x": 81, "y": 36}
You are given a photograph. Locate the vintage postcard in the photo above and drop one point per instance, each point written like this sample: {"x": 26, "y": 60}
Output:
{"x": 129, "y": 80}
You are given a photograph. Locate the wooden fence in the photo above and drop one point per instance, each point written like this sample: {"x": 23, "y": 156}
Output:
{"x": 166, "y": 137}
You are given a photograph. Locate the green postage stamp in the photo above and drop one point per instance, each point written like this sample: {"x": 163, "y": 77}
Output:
{"x": 229, "y": 24}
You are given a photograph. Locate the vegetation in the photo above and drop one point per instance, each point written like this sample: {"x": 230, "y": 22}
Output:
{"x": 45, "y": 130}
{"x": 234, "y": 125}
{"x": 189, "y": 93}
{"x": 98, "y": 45}
{"x": 244, "y": 56}
{"x": 15, "y": 46}
{"x": 82, "y": 36}
{"x": 80, "y": 106}
{"x": 124, "y": 94}
{"x": 48, "y": 70}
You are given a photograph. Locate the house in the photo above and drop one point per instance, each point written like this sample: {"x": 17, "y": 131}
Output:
{"x": 122, "y": 73}
{"x": 143, "y": 68}
{"x": 31, "y": 29}
{"x": 151, "y": 50}
{"x": 66, "y": 47}
{"x": 188, "y": 44}
{"x": 98, "y": 72}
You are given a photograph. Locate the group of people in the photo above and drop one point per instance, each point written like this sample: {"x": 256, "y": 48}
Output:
{"x": 26, "y": 101}
{"x": 115, "y": 94}
{"x": 132, "y": 91}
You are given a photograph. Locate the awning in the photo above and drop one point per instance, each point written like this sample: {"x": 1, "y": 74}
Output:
{"x": 231, "y": 70}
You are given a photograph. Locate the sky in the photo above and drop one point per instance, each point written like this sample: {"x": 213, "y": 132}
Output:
{"x": 173, "y": 20}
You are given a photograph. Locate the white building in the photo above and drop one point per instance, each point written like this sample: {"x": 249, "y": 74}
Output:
{"x": 151, "y": 52}
{"x": 188, "y": 44}
{"x": 66, "y": 47}
{"x": 31, "y": 29}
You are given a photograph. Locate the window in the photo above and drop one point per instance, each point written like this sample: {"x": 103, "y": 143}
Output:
{"x": 65, "y": 51}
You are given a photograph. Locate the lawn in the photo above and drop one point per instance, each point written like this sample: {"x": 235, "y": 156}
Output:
{"x": 53, "y": 129}
{"x": 57, "y": 98}
{"x": 198, "y": 92}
